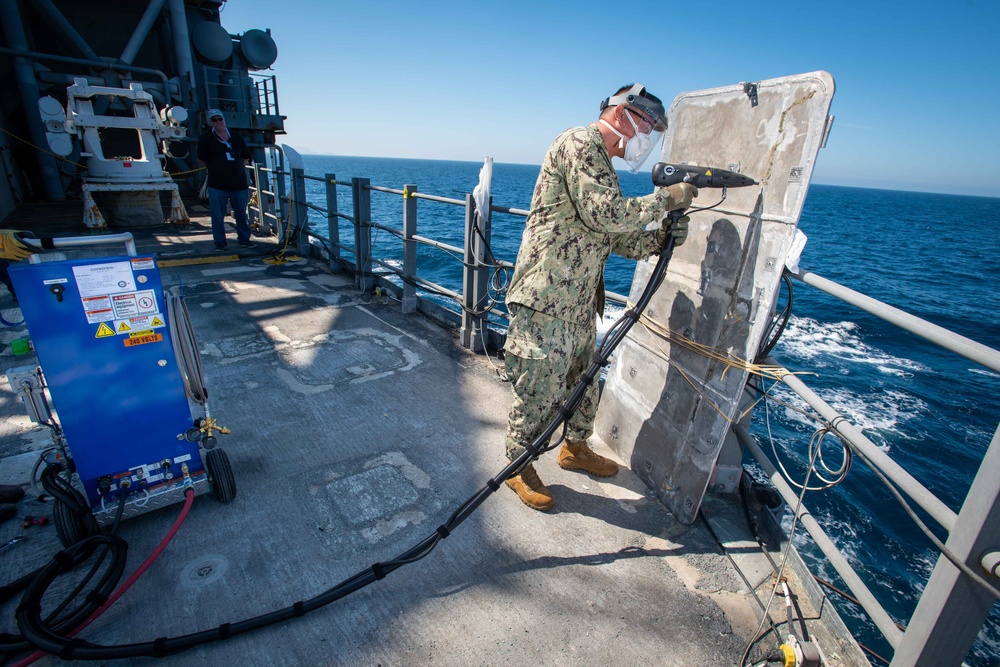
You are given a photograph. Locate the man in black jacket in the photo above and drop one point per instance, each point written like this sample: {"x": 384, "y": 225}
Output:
{"x": 225, "y": 156}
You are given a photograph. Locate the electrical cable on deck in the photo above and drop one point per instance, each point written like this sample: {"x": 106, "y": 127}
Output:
{"x": 54, "y": 643}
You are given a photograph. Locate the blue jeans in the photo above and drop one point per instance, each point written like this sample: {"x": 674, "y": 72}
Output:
{"x": 239, "y": 199}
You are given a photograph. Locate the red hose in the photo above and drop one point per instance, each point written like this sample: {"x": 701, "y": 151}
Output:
{"x": 189, "y": 500}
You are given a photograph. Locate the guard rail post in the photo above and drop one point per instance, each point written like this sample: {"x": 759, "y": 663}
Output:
{"x": 266, "y": 203}
{"x": 481, "y": 284}
{"x": 281, "y": 203}
{"x": 409, "y": 302}
{"x": 255, "y": 214}
{"x": 332, "y": 221}
{"x": 363, "y": 232}
{"x": 473, "y": 288}
{"x": 300, "y": 212}
{"x": 953, "y": 608}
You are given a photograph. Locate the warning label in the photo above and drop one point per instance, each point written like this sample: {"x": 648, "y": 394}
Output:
{"x": 109, "y": 297}
{"x": 132, "y": 304}
{"x": 98, "y": 309}
{"x": 142, "y": 322}
{"x": 142, "y": 340}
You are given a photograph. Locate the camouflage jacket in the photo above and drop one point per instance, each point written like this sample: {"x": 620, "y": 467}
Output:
{"x": 578, "y": 218}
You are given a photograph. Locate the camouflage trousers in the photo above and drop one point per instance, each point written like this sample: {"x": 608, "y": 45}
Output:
{"x": 545, "y": 358}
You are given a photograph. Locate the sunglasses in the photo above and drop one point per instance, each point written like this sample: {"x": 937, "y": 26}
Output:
{"x": 644, "y": 120}
{"x": 216, "y": 119}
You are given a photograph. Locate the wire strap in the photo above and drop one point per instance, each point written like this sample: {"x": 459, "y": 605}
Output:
{"x": 97, "y": 598}
{"x": 443, "y": 532}
{"x": 378, "y": 571}
{"x": 493, "y": 486}
{"x": 224, "y": 632}
{"x": 298, "y": 609}
{"x": 160, "y": 647}
{"x": 67, "y": 651}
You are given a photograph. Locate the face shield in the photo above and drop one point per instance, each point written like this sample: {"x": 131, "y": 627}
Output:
{"x": 648, "y": 118}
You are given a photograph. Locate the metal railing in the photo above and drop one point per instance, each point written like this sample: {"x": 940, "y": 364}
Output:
{"x": 933, "y": 636}
{"x": 470, "y": 310}
{"x": 229, "y": 90}
{"x": 266, "y": 86}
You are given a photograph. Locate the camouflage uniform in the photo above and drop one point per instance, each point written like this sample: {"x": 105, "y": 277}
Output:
{"x": 578, "y": 217}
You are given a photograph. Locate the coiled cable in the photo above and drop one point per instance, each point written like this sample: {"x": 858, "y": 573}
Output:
{"x": 185, "y": 345}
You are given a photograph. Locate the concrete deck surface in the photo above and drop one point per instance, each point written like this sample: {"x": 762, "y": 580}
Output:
{"x": 356, "y": 432}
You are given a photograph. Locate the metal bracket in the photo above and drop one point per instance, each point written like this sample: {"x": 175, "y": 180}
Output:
{"x": 751, "y": 90}
{"x": 826, "y": 130}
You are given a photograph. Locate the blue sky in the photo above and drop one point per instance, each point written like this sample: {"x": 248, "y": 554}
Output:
{"x": 917, "y": 103}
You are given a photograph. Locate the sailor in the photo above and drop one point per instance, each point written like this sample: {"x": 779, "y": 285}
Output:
{"x": 225, "y": 155}
{"x": 578, "y": 217}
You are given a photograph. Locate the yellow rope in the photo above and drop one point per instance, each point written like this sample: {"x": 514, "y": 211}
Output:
{"x": 25, "y": 141}
{"x": 280, "y": 257}
{"x": 77, "y": 164}
{"x": 659, "y": 330}
{"x": 189, "y": 171}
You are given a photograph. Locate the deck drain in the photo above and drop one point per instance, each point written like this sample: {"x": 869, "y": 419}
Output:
{"x": 204, "y": 571}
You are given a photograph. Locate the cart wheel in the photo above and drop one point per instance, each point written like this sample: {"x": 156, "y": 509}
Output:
{"x": 221, "y": 475}
{"x": 72, "y": 527}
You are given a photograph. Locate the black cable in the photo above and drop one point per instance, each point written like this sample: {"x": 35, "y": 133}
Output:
{"x": 773, "y": 333}
{"x": 59, "y": 620}
{"x": 28, "y": 615}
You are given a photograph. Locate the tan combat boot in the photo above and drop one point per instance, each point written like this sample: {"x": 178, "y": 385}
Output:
{"x": 530, "y": 490}
{"x": 579, "y": 456}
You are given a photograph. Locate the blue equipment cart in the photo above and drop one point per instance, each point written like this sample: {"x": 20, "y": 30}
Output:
{"x": 102, "y": 330}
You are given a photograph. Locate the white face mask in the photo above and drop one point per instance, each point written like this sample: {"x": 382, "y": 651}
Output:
{"x": 636, "y": 146}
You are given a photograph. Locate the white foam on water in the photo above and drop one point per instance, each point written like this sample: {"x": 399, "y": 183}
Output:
{"x": 822, "y": 344}
{"x": 881, "y": 412}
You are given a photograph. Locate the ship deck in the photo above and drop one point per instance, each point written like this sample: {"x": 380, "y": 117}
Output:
{"x": 356, "y": 432}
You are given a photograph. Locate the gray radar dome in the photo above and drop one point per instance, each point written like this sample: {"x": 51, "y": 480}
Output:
{"x": 259, "y": 49}
{"x": 212, "y": 42}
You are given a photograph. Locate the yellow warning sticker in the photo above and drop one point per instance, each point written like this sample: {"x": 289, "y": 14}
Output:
{"x": 142, "y": 340}
{"x": 123, "y": 327}
{"x": 157, "y": 322}
{"x": 104, "y": 331}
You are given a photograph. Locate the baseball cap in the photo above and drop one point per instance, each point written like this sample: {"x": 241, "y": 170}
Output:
{"x": 212, "y": 113}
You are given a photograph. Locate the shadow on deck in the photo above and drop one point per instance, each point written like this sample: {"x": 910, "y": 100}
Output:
{"x": 356, "y": 431}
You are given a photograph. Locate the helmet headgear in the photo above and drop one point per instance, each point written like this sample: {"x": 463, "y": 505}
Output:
{"x": 634, "y": 97}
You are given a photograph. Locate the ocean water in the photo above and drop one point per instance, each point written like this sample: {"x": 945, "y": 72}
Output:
{"x": 935, "y": 256}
